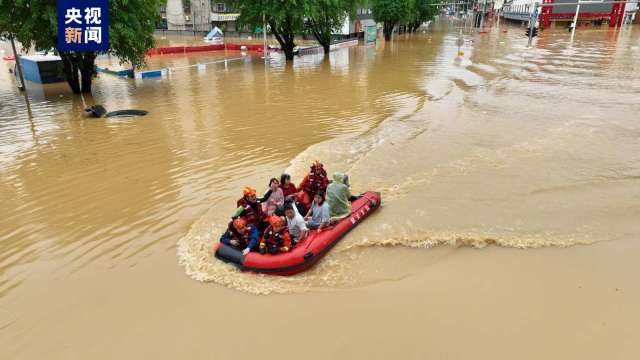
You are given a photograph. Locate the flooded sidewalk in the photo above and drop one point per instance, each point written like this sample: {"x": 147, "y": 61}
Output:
{"x": 509, "y": 179}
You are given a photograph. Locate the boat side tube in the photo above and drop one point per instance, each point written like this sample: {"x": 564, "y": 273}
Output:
{"x": 229, "y": 254}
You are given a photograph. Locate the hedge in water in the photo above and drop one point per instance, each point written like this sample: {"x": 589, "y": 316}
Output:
{"x": 131, "y": 26}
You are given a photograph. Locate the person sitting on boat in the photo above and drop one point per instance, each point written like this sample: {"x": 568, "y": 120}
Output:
{"x": 241, "y": 235}
{"x": 338, "y": 196}
{"x": 295, "y": 223}
{"x": 276, "y": 238}
{"x": 290, "y": 192}
{"x": 274, "y": 199}
{"x": 315, "y": 181}
{"x": 319, "y": 214}
{"x": 250, "y": 209}
{"x": 352, "y": 197}
{"x": 289, "y": 189}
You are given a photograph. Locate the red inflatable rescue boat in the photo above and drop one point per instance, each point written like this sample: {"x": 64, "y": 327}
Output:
{"x": 308, "y": 251}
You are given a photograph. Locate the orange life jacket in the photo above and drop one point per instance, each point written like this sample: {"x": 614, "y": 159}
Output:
{"x": 276, "y": 238}
{"x": 316, "y": 181}
{"x": 252, "y": 211}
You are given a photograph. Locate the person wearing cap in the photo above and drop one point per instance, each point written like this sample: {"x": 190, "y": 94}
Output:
{"x": 241, "y": 235}
{"x": 319, "y": 214}
{"x": 250, "y": 208}
{"x": 276, "y": 238}
{"x": 314, "y": 182}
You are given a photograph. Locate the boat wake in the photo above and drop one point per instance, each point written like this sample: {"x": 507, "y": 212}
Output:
{"x": 394, "y": 225}
{"x": 341, "y": 268}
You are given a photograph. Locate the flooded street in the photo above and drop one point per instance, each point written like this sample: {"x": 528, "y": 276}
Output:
{"x": 510, "y": 180}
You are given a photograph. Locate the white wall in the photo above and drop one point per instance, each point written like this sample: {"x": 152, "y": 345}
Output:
{"x": 175, "y": 15}
{"x": 344, "y": 30}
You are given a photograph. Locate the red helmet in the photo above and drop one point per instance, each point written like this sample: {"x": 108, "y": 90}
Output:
{"x": 239, "y": 223}
{"x": 276, "y": 221}
{"x": 249, "y": 191}
{"x": 316, "y": 165}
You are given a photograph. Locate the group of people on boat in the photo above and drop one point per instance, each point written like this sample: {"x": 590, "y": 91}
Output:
{"x": 274, "y": 223}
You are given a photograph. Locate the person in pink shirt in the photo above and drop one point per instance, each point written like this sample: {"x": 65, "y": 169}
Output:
{"x": 275, "y": 199}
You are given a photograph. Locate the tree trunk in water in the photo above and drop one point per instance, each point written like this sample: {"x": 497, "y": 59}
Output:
{"x": 285, "y": 40}
{"x": 79, "y": 70}
{"x": 87, "y": 70}
{"x": 71, "y": 71}
{"x": 288, "y": 51}
{"x": 388, "y": 31}
{"x": 323, "y": 39}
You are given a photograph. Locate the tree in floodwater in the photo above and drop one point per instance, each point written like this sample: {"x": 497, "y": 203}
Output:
{"x": 9, "y": 10}
{"x": 391, "y": 13}
{"x": 284, "y": 17}
{"x": 422, "y": 11}
{"x": 131, "y": 26}
{"x": 324, "y": 17}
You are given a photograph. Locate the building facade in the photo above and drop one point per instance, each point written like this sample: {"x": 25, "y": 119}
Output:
{"x": 630, "y": 13}
{"x": 564, "y": 10}
{"x": 198, "y": 15}
{"x": 224, "y": 16}
{"x": 354, "y": 26}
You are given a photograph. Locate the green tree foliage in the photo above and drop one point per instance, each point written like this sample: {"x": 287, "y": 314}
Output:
{"x": 325, "y": 17}
{"x": 391, "y": 13}
{"x": 422, "y": 11}
{"x": 285, "y": 18}
{"x": 34, "y": 23}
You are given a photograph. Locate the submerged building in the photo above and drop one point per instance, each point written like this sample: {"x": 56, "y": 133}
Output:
{"x": 198, "y": 15}
{"x": 224, "y": 16}
{"x": 631, "y": 13}
{"x": 354, "y": 26}
{"x": 174, "y": 15}
{"x": 564, "y": 11}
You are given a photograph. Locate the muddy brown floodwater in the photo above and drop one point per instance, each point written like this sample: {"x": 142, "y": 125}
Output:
{"x": 510, "y": 225}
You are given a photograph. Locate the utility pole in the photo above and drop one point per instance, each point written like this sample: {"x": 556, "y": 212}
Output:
{"x": 532, "y": 22}
{"x": 476, "y": 14}
{"x": 575, "y": 21}
{"x": 460, "y": 42}
{"x": 264, "y": 38}
{"x": 484, "y": 10}
{"x": 22, "y": 87}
